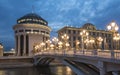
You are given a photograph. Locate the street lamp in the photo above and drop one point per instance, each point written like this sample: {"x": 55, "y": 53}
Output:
{"x": 84, "y": 34}
{"x": 48, "y": 42}
{"x": 55, "y": 42}
{"x": 1, "y": 49}
{"x": 91, "y": 42}
{"x": 67, "y": 45}
{"x": 99, "y": 39}
{"x": 113, "y": 27}
{"x": 65, "y": 38}
{"x": 77, "y": 45}
{"x": 52, "y": 47}
{"x": 116, "y": 37}
{"x": 42, "y": 46}
{"x": 60, "y": 45}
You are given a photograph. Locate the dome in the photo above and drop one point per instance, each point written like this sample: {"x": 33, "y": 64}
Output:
{"x": 89, "y": 26}
{"x": 32, "y": 18}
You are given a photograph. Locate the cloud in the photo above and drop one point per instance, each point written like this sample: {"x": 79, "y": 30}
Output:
{"x": 58, "y": 13}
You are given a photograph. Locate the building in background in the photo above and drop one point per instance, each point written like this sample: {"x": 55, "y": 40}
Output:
{"x": 1, "y": 49}
{"x": 30, "y": 30}
{"x": 95, "y": 39}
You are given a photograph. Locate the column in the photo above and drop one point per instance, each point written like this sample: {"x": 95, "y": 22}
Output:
{"x": 16, "y": 45}
{"x": 24, "y": 52}
{"x": 18, "y": 53}
{"x": 115, "y": 72}
{"x": 102, "y": 68}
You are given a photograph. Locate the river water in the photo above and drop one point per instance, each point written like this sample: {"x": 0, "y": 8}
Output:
{"x": 52, "y": 70}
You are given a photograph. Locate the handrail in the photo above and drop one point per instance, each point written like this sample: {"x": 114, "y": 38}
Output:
{"x": 114, "y": 54}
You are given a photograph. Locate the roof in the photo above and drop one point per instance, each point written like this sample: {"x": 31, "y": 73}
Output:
{"x": 89, "y": 26}
{"x": 32, "y": 18}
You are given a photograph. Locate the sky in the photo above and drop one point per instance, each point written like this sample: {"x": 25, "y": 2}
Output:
{"x": 58, "y": 13}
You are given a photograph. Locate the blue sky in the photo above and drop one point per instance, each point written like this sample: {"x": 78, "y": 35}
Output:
{"x": 58, "y": 13}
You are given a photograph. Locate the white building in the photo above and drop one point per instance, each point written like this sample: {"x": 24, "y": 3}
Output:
{"x": 1, "y": 49}
{"x": 29, "y": 30}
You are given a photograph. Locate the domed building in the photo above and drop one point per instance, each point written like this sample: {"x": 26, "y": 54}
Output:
{"x": 29, "y": 30}
{"x": 89, "y": 26}
{"x": 91, "y": 41}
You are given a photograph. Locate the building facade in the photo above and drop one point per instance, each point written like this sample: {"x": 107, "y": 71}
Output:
{"x": 1, "y": 49}
{"x": 96, "y": 39}
{"x": 30, "y": 29}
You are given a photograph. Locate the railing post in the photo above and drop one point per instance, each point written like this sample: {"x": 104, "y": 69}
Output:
{"x": 112, "y": 53}
{"x": 95, "y": 52}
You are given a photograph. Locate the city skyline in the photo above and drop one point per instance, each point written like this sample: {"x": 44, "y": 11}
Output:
{"x": 58, "y": 13}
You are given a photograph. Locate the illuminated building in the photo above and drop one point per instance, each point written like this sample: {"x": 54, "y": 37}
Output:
{"x": 30, "y": 30}
{"x": 96, "y": 39}
{"x": 1, "y": 50}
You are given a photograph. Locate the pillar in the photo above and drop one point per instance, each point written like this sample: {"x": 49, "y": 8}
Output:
{"x": 102, "y": 68}
{"x": 18, "y": 53}
{"x": 16, "y": 45}
{"x": 115, "y": 72}
{"x": 24, "y": 52}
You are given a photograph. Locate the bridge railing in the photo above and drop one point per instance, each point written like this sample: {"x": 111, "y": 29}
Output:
{"x": 114, "y": 54}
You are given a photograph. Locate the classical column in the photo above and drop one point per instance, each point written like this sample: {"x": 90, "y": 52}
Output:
{"x": 24, "y": 52}
{"x": 102, "y": 68}
{"x": 18, "y": 45}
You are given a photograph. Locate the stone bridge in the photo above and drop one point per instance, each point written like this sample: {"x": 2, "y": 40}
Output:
{"x": 96, "y": 63}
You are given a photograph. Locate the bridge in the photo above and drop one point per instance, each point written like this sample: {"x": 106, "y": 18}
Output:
{"x": 98, "y": 62}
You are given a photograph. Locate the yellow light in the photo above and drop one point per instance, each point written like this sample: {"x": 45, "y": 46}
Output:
{"x": 109, "y": 27}
{"x": 113, "y": 24}
{"x": 116, "y": 28}
{"x": 81, "y": 33}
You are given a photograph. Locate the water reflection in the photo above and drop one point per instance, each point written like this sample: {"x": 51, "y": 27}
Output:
{"x": 53, "y": 70}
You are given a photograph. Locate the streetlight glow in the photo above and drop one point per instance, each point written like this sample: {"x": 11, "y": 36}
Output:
{"x": 83, "y": 34}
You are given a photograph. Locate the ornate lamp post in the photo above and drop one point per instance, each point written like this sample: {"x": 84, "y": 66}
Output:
{"x": 60, "y": 45}
{"x": 48, "y": 42}
{"x": 116, "y": 38}
{"x": 99, "y": 39}
{"x": 67, "y": 45}
{"x": 91, "y": 41}
{"x": 84, "y": 34}
{"x": 51, "y": 47}
{"x": 1, "y": 49}
{"x": 113, "y": 27}
{"x": 65, "y": 38}
{"x": 77, "y": 46}
{"x": 36, "y": 48}
{"x": 55, "y": 42}
{"x": 42, "y": 46}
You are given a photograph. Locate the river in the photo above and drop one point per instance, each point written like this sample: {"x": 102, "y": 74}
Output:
{"x": 52, "y": 70}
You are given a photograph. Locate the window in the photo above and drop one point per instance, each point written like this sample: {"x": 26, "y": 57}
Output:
{"x": 35, "y": 30}
{"x": 47, "y": 32}
{"x": 27, "y": 30}
{"x": 74, "y": 31}
{"x": 20, "y": 30}
{"x": 74, "y": 38}
{"x": 69, "y": 31}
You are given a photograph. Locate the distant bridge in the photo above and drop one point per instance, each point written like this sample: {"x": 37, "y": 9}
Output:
{"x": 101, "y": 62}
